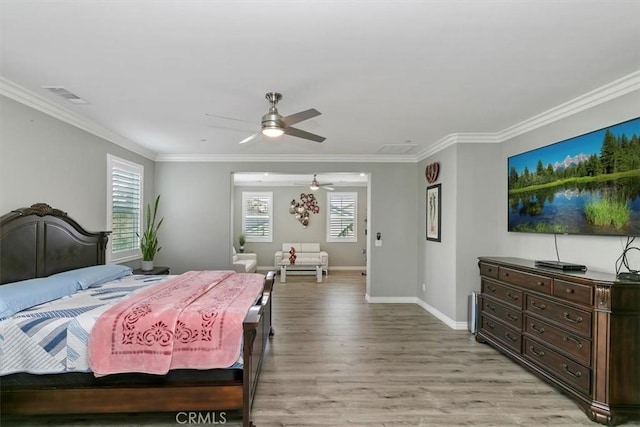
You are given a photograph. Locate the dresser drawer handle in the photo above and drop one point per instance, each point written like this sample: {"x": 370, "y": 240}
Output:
{"x": 540, "y": 331}
{"x": 506, "y": 274}
{"x": 491, "y": 288}
{"x": 512, "y": 317}
{"x": 513, "y": 297}
{"x": 508, "y": 335}
{"x": 491, "y": 307}
{"x": 576, "y": 374}
{"x": 578, "y": 343}
{"x": 569, "y": 319}
{"x": 540, "y": 283}
{"x": 537, "y": 353}
{"x": 490, "y": 325}
{"x": 538, "y": 307}
{"x": 570, "y": 291}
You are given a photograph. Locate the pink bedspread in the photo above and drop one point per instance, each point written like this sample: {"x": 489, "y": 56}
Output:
{"x": 190, "y": 321}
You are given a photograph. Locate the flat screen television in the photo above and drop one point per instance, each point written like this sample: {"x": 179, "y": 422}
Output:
{"x": 589, "y": 184}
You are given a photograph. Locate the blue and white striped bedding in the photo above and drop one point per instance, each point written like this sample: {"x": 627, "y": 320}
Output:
{"x": 52, "y": 337}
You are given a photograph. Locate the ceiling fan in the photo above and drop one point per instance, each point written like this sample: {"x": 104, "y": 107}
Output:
{"x": 274, "y": 124}
{"x": 315, "y": 185}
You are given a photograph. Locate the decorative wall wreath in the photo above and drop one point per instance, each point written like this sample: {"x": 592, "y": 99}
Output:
{"x": 432, "y": 171}
{"x": 301, "y": 210}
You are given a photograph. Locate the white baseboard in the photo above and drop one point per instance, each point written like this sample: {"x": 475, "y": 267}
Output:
{"x": 390, "y": 300}
{"x": 415, "y": 300}
{"x": 342, "y": 268}
{"x": 459, "y": 326}
{"x": 348, "y": 268}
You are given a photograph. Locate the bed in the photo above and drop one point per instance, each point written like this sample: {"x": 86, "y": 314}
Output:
{"x": 40, "y": 241}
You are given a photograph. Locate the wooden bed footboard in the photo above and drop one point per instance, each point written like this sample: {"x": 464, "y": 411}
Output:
{"x": 158, "y": 397}
{"x": 257, "y": 329}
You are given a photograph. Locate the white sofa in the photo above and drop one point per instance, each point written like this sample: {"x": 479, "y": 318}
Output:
{"x": 244, "y": 263}
{"x": 304, "y": 252}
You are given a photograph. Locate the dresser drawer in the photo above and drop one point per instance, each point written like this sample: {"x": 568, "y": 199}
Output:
{"x": 488, "y": 270}
{"x": 525, "y": 280}
{"x": 576, "y": 347}
{"x": 503, "y": 293}
{"x": 575, "y": 292}
{"x": 504, "y": 334}
{"x": 570, "y": 318}
{"x": 564, "y": 369}
{"x": 502, "y": 312}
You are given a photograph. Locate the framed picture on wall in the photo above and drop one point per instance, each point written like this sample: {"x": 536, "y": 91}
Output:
{"x": 434, "y": 211}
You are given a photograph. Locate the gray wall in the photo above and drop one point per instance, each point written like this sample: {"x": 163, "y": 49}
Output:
{"x": 437, "y": 260}
{"x": 43, "y": 159}
{"x": 198, "y": 210}
{"x": 476, "y": 219}
{"x": 474, "y": 211}
{"x": 286, "y": 229}
{"x": 596, "y": 252}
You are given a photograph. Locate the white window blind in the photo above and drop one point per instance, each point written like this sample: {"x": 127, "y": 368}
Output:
{"x": 257, "y": 218}
{"x": 342, "y": 217}
{"x": 124, "y": 208}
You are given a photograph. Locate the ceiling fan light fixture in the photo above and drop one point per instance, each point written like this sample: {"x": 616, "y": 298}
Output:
{"x": 272, "y": 131}
{"x": 314, "y": 184}
{"x": 275, "y": 125}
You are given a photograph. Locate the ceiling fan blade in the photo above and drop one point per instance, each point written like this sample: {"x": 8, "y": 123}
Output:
{"x": 298, "y": 117}
{"x": 249, "y": 138}
{"x": 327, "y": 188}
{"x": 226, "y": 118}
{"x": 303, "y": 134}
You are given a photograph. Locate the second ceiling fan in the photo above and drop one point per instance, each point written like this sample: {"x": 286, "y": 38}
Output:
{"x": 315, "y": 185}
{"x": 274, "y": 124}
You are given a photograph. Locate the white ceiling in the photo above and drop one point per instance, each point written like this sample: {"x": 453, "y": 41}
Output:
{"x": 157, "y": 73}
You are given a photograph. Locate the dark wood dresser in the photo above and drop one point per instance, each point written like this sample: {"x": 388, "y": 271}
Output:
{"x": 580, "y": 331}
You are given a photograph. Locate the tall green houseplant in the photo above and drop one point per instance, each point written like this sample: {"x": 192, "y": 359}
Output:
{"x": 149, "y": 240}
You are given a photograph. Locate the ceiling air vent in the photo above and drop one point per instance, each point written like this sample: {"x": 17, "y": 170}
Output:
{"x": 396, "y": 148}
{"x": 62, "y": 92}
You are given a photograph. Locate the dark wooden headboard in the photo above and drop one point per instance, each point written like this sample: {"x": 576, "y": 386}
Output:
{"x": 39, "y": 241}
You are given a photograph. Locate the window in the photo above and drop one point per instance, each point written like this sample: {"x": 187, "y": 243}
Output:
{"x": 124, "y": 208}
{"x": 341, "y": 220}
{"x": 257, "y": 221}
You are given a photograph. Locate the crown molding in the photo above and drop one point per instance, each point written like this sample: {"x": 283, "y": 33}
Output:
{"x": 623, "y": 86}
{"x": 458, "y": 138}
{"x": 287, "y": 158}
{"x": 35, "y": 101}
{"x": 617, "y": 88}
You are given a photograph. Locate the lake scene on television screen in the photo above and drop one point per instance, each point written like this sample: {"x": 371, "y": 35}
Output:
{"x": 589, "y": 184}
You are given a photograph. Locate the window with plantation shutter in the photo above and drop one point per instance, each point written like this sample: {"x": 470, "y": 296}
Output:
{"x": 124, "y": 208}
{"x": 342, "y": 217}
{"x": 257, "y": 220}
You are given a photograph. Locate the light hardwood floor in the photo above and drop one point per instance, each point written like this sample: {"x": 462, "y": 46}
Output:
{"x": 338, "y": 361}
